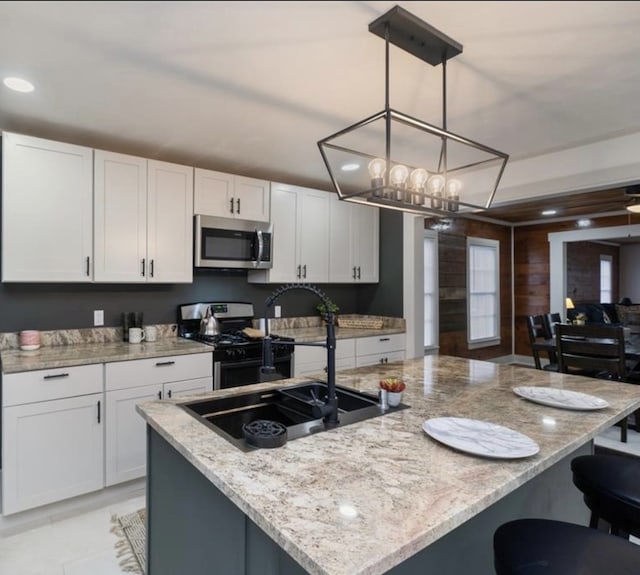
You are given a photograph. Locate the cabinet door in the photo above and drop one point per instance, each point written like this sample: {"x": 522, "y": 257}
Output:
{"x": 313, "y": 235}
{"x": 381, "y": 358}
{"x": 169, "y": 223}
{"x": 51, "y": 450}
{"x": 365, "y": 243}
{"x": 342, "y": 268}
{"x": 284, "y": 217}
{"x": 251, "y": 198}
{"x": 213, "y": 193}
{"x": 189, "y": 387}
{"x": 126, "y": 439}
{"x": 120, "y": 218}
{"x": 47, "y": 223}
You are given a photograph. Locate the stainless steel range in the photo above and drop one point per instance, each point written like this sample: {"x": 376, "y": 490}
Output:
{"x": 237, "y": 357}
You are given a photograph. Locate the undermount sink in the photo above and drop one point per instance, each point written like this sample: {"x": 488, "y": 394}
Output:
{"x": 292, "y": 407}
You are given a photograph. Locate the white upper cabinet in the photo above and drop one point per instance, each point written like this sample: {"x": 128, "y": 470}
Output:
{"x": 230, "y": 196}
{"x": 170, "y": 223}
{"x": 143, "y": 220}
{"x": 47, "y": 231}
{"x": 300, "y": 218}
{"x": 120, "y": 217}
{"x": 353, "y": 243}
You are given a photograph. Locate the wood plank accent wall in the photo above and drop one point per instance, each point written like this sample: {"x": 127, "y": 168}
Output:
{"x": 531, "y": 271}
{"x": 452, "y": 255}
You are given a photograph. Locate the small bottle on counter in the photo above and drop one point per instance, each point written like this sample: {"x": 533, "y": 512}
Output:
{"x": 384, "y": 402}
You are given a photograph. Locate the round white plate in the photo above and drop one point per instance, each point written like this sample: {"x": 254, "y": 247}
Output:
{"x": 480, "y": 437}
{"x": 563, "y": 398}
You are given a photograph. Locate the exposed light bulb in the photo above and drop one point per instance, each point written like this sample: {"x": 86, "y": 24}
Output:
{"x": 398, "y": 175}
{"x": 453, "y": 194}
{"x": 435, "y": 185}
{"x": 377, "y": 168}
{"x": 18, "y": 84}
{"x": 418, "y": 179}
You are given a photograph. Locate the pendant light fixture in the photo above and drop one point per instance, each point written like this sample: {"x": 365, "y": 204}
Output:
{"x": 399, "y": 162}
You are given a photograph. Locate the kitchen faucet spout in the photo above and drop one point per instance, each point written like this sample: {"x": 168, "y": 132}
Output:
{"x": 329, "y": 409}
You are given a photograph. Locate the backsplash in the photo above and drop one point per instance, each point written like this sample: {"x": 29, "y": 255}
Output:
{"x": 316, "y": 321}
{"x": 9, "y": 340}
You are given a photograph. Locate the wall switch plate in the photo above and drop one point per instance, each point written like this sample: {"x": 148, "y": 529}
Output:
{"x": 277, "y": 311}
{"x": 98, "y": 317}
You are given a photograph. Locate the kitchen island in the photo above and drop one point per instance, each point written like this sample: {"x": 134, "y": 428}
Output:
{"x": 378, "y": 496}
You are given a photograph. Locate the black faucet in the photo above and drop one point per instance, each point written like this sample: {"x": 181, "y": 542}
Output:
{"x": 328, "y": 409}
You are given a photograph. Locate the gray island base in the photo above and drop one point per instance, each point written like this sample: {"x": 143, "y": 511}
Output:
{"x": 420, "y": 507}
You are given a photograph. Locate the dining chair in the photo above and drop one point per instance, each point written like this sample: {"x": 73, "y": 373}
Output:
{"x": 550, "y": 321}
{"x": 538, "y": 335}
{"x": 593, "y": 351}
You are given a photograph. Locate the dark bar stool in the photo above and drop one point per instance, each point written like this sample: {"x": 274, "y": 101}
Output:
{"x": 611, "y": 488}
{"x": 546, "y": 547}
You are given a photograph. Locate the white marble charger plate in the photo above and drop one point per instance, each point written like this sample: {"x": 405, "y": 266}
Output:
{"x": 480, "y": 437}
{"x": 563, "y": 398}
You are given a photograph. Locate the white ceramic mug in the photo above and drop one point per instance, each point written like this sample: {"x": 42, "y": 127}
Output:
{"x": 136, "y": 334}
{"x": 151, "y": 333}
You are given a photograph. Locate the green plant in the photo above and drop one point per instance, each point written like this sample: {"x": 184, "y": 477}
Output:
{"x": 332, "y": 307}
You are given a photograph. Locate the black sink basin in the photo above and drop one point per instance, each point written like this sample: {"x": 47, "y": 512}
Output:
{"x": 291, "y": 407}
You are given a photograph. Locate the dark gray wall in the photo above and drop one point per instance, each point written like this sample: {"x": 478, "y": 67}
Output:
{"x": 68, "y": 306}
{"x": 385, "y": 297}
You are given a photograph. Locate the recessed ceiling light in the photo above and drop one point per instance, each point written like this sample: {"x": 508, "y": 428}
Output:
{"x": 583, "y": 223}
{"x": 349, "y": 167}
{"x": 18, "y": 84}
{"x": 549, "y": 213}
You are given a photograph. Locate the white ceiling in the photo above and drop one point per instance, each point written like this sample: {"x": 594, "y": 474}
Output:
{"x": 250, "y": 87}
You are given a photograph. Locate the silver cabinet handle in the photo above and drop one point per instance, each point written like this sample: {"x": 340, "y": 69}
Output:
{"x": 56, "y": 376}
{"x": 164, "y": 363}
{"x": 159, "y": 395}
{"x": 299, "y": 272}
{"x": 99, "y": 410}
{"x": 151, "y": 267}
{"x": 88, "y": 266}
{"x": 143, "y": 264}
{"x": 384, "y": 339}
{"x": 231, "y": 205}
{"x": 169, "y": 394}
{"x": 304, "y": 271}
{"x": 354, "y": 272}
{"x": 237, "y": 205}
{"x": 358, "y": 272}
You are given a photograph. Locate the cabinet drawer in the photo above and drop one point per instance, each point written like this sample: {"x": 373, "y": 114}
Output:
{"x": 125, "y": 374}
{"x": 380, "y": 344}
{"x": 46, "y": 384}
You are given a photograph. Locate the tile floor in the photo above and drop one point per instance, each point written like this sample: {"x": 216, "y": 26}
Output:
{"x": 78, "y": 545}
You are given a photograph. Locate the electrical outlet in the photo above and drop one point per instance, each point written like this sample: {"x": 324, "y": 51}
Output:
{"x": 277, "y": 311}
{"x": 98, "y": 317}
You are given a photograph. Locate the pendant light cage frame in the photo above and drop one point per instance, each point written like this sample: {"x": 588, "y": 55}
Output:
{"x": 391, "y": 138}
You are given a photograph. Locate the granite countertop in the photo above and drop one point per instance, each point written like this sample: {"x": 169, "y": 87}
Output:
{"x": 50, "y": 357}
{"x": 407, "y": 489}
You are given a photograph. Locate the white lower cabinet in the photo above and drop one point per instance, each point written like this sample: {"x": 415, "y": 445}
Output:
{"x": 129, "y": 383}
{"x": 380, "y": 349}
{"x": 313, "y": 359}
{"x": 52, "y": 436}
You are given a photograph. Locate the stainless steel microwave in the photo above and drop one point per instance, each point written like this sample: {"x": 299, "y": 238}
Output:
{"x": 231, "y": 243}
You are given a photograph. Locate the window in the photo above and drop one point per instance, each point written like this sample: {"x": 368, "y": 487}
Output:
{"x": 483, "y": 292}
{"x": 606, "y": 279}
{"x": 430, "y": 290}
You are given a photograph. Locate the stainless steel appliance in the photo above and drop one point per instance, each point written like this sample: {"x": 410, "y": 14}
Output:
{"x": 237, "y": 357}
{"x": 230, "y": 243}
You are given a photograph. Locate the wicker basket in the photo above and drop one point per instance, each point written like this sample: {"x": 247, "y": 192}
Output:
{"x": 361, "y": 323}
